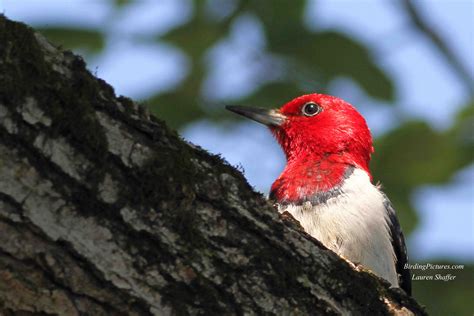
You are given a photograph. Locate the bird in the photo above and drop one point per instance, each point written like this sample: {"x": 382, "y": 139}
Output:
{"x": 327, "y": 185}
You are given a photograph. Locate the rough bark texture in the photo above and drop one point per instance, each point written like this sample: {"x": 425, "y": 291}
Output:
{"x": 104, "y": 211}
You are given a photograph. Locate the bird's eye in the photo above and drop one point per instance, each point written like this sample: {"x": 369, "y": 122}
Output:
{"x": 311, "y": 109}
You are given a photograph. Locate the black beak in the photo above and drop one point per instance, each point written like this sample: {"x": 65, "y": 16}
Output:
{"x": 264, "y": 116}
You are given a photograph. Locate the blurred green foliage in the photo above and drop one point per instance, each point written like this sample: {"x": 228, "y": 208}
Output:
{"x": 313, "y": 57}
{"x": 414, "y": 154}
{"x": 91, "y": 41}
{"x": 411, "y": 155}
{"x": 443, "y": 298}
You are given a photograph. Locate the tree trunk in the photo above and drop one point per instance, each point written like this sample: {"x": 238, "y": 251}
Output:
{"x": 104, "y": 211}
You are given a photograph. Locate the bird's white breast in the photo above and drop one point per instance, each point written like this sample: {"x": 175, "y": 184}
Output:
{"x": 353, "y": 224}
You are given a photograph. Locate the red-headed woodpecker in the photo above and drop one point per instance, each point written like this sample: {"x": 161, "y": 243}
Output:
{"x": 326, "y": 184}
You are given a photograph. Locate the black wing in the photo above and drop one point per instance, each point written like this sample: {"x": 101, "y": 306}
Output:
{"x": 398, "y": 244}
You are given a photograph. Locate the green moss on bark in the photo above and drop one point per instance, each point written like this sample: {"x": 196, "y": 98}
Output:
{"x": 69, "y": 103}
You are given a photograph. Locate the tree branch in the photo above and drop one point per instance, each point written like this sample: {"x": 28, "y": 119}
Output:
{"x": 422, "y": 25}
{"x": 104, "y": 210}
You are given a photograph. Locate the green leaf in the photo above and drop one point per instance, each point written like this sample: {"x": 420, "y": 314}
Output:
{"x": 414, "y": 155}
{"x": 333, "y": 54}
{"x": 327, "y": 54}
{"x": 194, "y": 38}
{"x": 462, "y": 135}
{"x": 279, "y": 18}
{"x": 122, "y": 3}
{"x": 175, "y": 108}
{"x": 74, "y": 38}
{"x": 446, "y": 298}
{"x": 467, "y": 112}
{"x": 272, "y": 95}
{"x": 183, "y": 105}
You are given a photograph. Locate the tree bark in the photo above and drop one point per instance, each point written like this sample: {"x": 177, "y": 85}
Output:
{"x": 104, "y": 211}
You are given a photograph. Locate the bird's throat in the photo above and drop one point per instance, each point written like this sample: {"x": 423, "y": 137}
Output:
{"x": 310, "y": 180}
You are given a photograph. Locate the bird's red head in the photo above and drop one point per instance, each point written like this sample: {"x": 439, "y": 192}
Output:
{"x": 322, "y": 136}
{"x": 322, "y": 127}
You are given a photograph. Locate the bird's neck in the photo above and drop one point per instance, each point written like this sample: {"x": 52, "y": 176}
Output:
{"x": 311, "y": 178}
